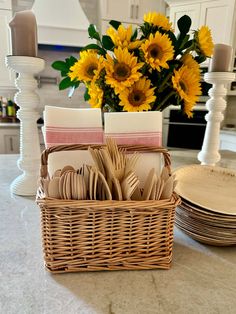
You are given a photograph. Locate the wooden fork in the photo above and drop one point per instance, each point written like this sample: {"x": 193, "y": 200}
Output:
{"x": 129, "y": 185}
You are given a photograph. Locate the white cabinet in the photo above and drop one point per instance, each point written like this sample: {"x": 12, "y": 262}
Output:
{"x": 228, "y": 140}
{"x": 105, "y": 25}
{"x": 217, "y": 14}
{"x": 6, "y": 76}
{"x": 192, "y": 10}
{"x": 11, "y": 142}
{"x": 5, "y": 4}
{"x": 127, "y": 11}
{"x": 10, "y": 139}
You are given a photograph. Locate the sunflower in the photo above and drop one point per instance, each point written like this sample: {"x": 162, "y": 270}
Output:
{"x": 138, "y": 97}
{"x": 188, "y": 60}
{"x": 122, "y": 37}
{"x": 122, "y": 71}
{"x": 187, "y": 85}
{"x": 158, "y": 20}
{"x": 96, "y": 95}
{"x": 158, "y": 50}
{"x": 188, "y": 109}
{"x": 86, "y": 67}
{"x": 204, "y": 41}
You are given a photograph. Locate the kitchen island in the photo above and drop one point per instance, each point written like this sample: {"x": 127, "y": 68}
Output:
{"x": 201, "y": 279}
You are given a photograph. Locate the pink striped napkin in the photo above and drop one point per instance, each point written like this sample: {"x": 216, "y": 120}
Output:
{"x": 137, "y": 138}
{"x": 72, "y": 126}
{"x": 144, "y": 128}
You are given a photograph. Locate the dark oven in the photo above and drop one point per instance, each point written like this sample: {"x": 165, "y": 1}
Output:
{"x": 182, "y": 132}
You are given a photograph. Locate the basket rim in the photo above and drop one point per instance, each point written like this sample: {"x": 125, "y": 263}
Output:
{"x": 41, "y": 200}
{"x": 174, "y": 201}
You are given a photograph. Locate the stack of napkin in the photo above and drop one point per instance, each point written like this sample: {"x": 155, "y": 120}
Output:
{"x": 64, "y": 126}
{"x": 135, "y": 128}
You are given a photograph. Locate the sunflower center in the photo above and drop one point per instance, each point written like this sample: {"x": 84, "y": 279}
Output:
{"x": 90, "y": 70}
{"x": 155, "y": 51}
{"x": 136, "y": 98}
{"x": 183, "y": 86}
{"x": 121, "y": 71}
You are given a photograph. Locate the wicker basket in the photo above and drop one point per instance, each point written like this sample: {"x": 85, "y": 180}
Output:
{"x": 106, "y": 235}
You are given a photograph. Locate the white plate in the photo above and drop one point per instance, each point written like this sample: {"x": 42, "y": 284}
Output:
{"x": 212, "y": 188}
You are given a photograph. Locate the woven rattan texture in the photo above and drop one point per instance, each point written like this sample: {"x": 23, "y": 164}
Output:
{"x": 106, "y": 235}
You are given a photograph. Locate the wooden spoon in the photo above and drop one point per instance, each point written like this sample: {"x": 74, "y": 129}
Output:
{"x": 57, "y": 173}
{"x": 53, "y": 188}
{"x": 66, "y": 168}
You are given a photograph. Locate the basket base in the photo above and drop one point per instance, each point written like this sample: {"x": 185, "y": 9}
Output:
{"x": 118, "y": 268}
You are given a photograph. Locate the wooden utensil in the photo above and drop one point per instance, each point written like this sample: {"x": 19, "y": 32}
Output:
{"x": 160, "y": 188}
{"x": 148, "y": 185}
{"x": 116, "y": 191}
{"x": 131, "y": 162}
{"x": 53, "y": 188}
{"x": 165, "y": 173}
{"x": 129, "y": 185}
{"x": 67, "y": 168}
{"x": 57, "y": 173}
{"x": 167, "y": 188}
{"x": 105, "y": 186}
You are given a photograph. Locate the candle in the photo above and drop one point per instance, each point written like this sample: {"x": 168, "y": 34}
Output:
{"x": 24, "y": 37}
{"x": 222, "y": 56}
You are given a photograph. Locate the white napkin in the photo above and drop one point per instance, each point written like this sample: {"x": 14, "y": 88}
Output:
{"x": 72, "y": 126}
{"x": 77, "y": 158}
{"x": 143, "y": 128}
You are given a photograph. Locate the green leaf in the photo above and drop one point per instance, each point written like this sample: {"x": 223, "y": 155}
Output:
{"x": 64, "y": 73}
{"x": 86, "y": 95}
{"x": 188, "y": 44}
{"x": 184, "y": 24}
{"x": 100, "y": 50}
{"x": 183, "y": 42}
{"x": 173, "y": 38}
{"x": 107, "y": 42}
{"x": 93, "y": 33}
{"x": 76, "y": 83}
{"x": 115, "y": 24}
{"x": 65, "y": 83}
{"x": 60, "y": 66}
{"x": 134, "y": 35}
{"x": 71, "y": 61}
{"x": 200, "y": 59}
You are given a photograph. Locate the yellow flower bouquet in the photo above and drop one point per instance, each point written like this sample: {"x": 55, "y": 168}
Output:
{"x": 145, "y": 69}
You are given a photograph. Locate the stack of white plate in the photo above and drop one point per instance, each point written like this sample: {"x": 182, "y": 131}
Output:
{"x": 208, "y": 209}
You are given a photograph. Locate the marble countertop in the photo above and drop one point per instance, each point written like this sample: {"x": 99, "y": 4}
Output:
{"x": 201, "y": 279}
{"x": 9, "y": 124}
{"x": 14, "y": 125}
{"x": 231, "y": 131}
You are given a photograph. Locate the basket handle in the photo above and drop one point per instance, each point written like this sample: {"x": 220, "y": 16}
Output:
{"x": 129, "y": 148}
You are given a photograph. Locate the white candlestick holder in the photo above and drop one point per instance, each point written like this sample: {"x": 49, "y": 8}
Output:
{"x": 27, "y": 100}
{"x": 209, "y": 154}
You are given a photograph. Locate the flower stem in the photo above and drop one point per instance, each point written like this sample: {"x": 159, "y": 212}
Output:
{"x": 162, "y": 86}
{"x": 162, "y": 104}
